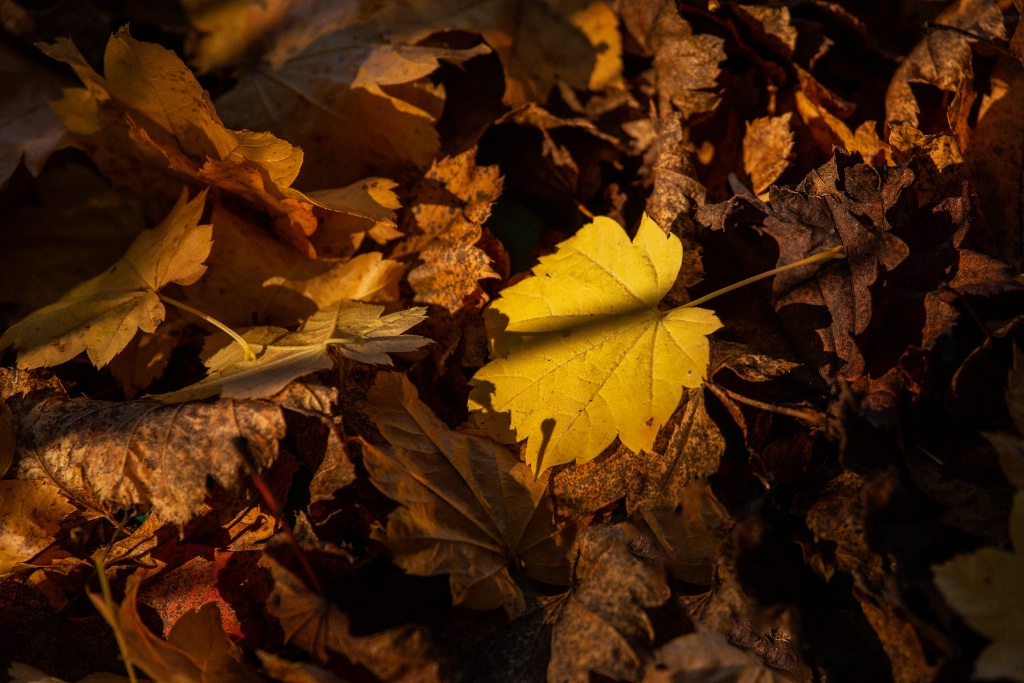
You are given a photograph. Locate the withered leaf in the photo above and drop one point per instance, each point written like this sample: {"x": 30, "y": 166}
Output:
{"x": 107, "y": 455}
{"x": 706, "y": 656}
{"x": 316, "y": 625}
{"x": 102, "y": 315}
{"x": 602, "y": 627}
{"x": 767, "y": 148}
{"x": 469, "y": 507}
{"x": 452, "y": 203}
{"x": 30, "y": 516}
{"x": 196, "y": 649}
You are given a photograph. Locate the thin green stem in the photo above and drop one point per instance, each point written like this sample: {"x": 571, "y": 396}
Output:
{"x": 108, "y": 600}
{"x": 833, "y": 253}
{"x": 249, "y": 355}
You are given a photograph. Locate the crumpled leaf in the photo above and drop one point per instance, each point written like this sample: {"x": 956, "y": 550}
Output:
{"x": 196, "y": 649}
{"x": 149, "y": 114}
{"x": 357, "y": 101}
{"x": 106, "y": 455}
{"x": 985, "y": 588}
{"x": 452, "y": 203}
{"x": 602, "y": 626}
{"x": 357, "y": 331}
{"x": 315, "y": 624}
{"x": 767, "y": 148}
{"x": 30, "y": 516}
{"x": 100, "y": 316}
{"x": 469, "y": 508}
{"x": 28, "y": 127}
{"x": 582, "y": 353}
{"x": 685, "y": 62}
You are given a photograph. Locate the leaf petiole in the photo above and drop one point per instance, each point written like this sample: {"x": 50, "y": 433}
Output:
{"x": 833, "y": 253}
{"x": 249, "y": 355}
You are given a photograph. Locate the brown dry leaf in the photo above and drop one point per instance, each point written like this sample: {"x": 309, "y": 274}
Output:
{"x": 706, "y": 656}
{"x": 196, "y": 650}
{"x": 469, "y": 507}
{"x": 404, "y": 654}
{"x": 30, "y": 515}
{"x": 942, "y": 58}
{"x": 146, "y": 357}
{"x": 452, "y": 202}
{"x": 335, "y": 85}
{"x": 287, "y": 671}
{"x": 937, "y": 160}
{"x": 23, "y": 673}
{"x": 767, "y": 150}
{"x": 685, "y": 63}
{"x": 28, "y": 127}
{"x": 820, "y": 110}
{"x": 540, "y": 42}
{"x": 150, "y": 114}
{"x": 602, "y": 627}
{"x": 227, "y": 32}
{"x": 689, "y": 447}
{"x": 689, "y": 531}
{"x": 108, "y": 455}
{"x": 772, "y": 26}
{"x": 102, "y": 315}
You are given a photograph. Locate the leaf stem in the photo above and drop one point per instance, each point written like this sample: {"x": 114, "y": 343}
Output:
{"x": 249, "y": 355}
{"x": 833, "y": 253}
{"x": 108, "y": 600}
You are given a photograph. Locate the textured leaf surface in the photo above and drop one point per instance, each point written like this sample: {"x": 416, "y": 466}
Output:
{"x": 582, "y": 353}
{"x": 102, "y": 315}
{"x": 469, "y": 506}
{"x": 357, "y": 330}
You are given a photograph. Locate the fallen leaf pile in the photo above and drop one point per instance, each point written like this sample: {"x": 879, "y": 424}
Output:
{"x": 542, "y": 340}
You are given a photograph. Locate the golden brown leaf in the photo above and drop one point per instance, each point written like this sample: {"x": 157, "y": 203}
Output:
{"x": 602, "y": 626}
{"x": 112, "y": 455}
{"x": 767, "y": 150}
{"x": 404, "y": 654}
{"x": 469, "y": 507}
{"x": 706, "y": 656}
{"x": 453, "y": 201}
{"x": 103, "y": 314}
{"x": 30, "y": 516}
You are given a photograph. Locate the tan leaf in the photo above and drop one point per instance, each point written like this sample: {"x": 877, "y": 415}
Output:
{"x": 706, "y": 656}
{"x": 767, "y": 150}
{"x": 602, "y": 627}
{"x": 403, "y": 654}
{"x": 111, "y": 455}
{"x": 102, "y": 315}
{"x": 30, "y": 516}
{"x": 469, "y": 507}
{"x": 357, "y": 331}
{"x": 452, "y": 203}
{"x": 196, "y": 649}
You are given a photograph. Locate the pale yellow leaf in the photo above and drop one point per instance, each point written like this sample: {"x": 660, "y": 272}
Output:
{"x": 357, "y": 331}
{"x": 101, "y": 315}
{"x": 582, "y": 352}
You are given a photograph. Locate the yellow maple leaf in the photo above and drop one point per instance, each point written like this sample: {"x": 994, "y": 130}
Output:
{"x": 582, "y": 352}
{"x": 357, "y": 330}
{"x": 987, "y": 589}
{"x": 101, "y": 315}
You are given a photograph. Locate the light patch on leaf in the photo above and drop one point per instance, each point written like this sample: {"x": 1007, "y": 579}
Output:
{"x": 582, "y": 352}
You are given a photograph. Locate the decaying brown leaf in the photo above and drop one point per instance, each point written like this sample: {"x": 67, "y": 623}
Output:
{"x": 320, "y": 628}
{"x": 30, "y": 515}
{"x": 106, "y": 455}
{"x": 196, "y": 649}
{"x": 453, "y": 201}
{"x": 706, "y": 656}
{"x": 602, "y": 626}
{"x": 470, "y": 508}
{"x": 767, "y": 148}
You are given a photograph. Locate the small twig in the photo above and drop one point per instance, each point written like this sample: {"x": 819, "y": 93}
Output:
{"x": 812, "y": 417}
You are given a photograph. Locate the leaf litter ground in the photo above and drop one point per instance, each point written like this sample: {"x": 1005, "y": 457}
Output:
{"x": 279, "y": 404}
